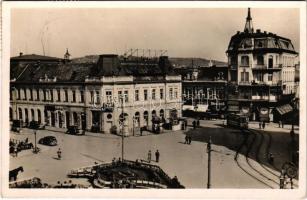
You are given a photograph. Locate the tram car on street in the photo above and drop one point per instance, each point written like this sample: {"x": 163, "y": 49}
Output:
{"x": 237, "y": 121}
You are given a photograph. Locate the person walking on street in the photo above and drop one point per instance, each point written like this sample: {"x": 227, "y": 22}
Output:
{"x": 186, "y": 139}
{"x": 189, "y": 140}
{"x": 198, "y": 123}
{"x": 149, "y": 156}
{"x": 194, "y": 124}
{"x": 16, "y": 151}
{"x": 157, "y": 156}
{"x": 259, "y": 125}
{"x": 59, "y": 152}
{"x": 263, "y": 124}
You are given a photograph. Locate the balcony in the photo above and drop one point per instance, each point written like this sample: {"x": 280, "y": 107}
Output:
{"x": 266, "y": 68}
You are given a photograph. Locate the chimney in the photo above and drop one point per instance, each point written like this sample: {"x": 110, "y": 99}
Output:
{"x": 258, "y": 30}
{"x": 20, "y": 53}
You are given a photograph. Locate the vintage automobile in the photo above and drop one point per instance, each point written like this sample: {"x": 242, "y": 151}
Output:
{"x": 48, "y": 140}
{"x": 74, "y": 130}
{"x": 17, "y": 125}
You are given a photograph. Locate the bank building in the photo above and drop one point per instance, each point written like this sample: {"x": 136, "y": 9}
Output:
{"x": 117, "y": 94}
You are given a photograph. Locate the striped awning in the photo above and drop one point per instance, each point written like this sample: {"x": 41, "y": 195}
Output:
{"x": 284, "y": 109}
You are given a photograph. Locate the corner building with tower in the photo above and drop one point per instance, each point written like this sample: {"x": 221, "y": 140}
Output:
{"x": 261, "y": 69}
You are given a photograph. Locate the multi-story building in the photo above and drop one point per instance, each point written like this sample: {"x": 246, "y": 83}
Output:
{"x": 261, "y": 66}
{"x": 204, "y": 88}
{"x": 122, "y": 92}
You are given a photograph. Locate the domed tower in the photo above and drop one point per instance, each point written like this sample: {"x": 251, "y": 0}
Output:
{"x": 257, "y": 64}
{"x": 67, "y": 55}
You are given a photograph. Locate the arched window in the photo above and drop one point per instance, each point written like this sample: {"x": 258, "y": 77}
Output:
{"x": 39, "y": 117}
{"x": 26, "y": 116}
{"x": 145, "y": 114}
{"x": 271, "y": 62}
{"x": 32, "y": 114}
{"x": 20, "y": 113}
{"x": 11, "y": 114}
{"x": 75, "y": 117}
{"x": 245, "y": 61}
{"x": 153, "y": 113}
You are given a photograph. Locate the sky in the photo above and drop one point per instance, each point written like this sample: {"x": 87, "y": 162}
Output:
{"x": 183, "y": 32}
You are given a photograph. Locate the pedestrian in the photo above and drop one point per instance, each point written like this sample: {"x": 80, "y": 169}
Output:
{"x": 279, "y": 124}
{"x": 149, "y": 156}
{"x": 194, "y": 124}
{"x": 157, "y": 156}
{"x": 259, "y": 125}
{"x": 271, "y": 158}
{"x": 263, "y": 124}
{"x": 198, "y": 123}
{"x": 186, "y": 139}
{"x": 59, "y": 152}
{"x": 27, "y": 140}
{"x": 16, "y": 151}
{"x": 141, "y": 130}
{"x": 189, "y": 139}
{"x": 282, "y": 123}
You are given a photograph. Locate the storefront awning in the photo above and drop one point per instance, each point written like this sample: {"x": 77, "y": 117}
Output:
{"x": 284, "y": 109}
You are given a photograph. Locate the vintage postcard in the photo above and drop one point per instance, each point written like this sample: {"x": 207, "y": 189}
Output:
{"x": 110, "y": 99}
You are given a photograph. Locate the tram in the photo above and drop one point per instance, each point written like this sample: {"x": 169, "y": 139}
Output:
{"x": 237, "y": 121}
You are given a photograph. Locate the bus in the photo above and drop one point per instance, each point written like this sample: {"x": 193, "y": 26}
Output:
{"x": 237, "y": 121}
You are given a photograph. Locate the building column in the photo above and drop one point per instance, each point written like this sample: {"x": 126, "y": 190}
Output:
{"x": 64, "y": 119}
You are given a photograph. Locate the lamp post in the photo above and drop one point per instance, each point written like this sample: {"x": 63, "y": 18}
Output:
{"x": 35, "y": 146}
{"x": 209, "y": 162}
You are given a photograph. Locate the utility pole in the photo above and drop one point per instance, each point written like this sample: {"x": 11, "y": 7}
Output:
{"x": 209, "y": 162}
{"x": 123, "y": 123}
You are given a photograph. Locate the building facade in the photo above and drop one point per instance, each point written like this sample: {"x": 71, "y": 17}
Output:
{"x": 125, "y": 93}
{"x": 204, "y": 88}
{"x": 261, "y": 69}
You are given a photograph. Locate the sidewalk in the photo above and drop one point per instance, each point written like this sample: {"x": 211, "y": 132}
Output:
{"x": 273, "y": 127}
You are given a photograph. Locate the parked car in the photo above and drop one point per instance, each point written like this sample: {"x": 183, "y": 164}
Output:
{"x": 34, "y": 125}
{"x": 17, "y": 125}
{"x": 48, "y": 140}
{"x": 74, "y": 130}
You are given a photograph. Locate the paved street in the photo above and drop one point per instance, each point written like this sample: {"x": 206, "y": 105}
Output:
{"x": 187, "y": 162}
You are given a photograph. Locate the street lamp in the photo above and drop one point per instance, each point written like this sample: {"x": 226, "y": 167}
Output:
{"x": 35, "y": 146}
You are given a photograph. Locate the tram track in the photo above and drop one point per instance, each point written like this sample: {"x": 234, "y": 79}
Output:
{"x": 237, "y": 158}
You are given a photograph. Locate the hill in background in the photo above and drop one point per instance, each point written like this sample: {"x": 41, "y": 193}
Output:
{"x": 177, "y": 62}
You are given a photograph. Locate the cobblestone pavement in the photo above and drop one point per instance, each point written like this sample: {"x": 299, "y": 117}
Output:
{"x": 187, "y": 162}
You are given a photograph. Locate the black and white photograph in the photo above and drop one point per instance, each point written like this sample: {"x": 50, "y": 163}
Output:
{"x": 177, "y": 97}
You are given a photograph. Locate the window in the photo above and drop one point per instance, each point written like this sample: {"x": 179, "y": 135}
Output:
{"x": 259, "y": 77}
{"x": 92, "y": 97}
{"x": 161, "y": 93}
{"x": 45, "y": 95}
{"x": 31, "y": 94}
{"x": 18, "y": 94}
{"x": 73, "y": 96}
{"x": 136, "y": 95}
{"x": 109, "y": 96}
{"x": 176, "y": 93}
{"x": 245, "y": 61}
{"x": 244, "y": 76}
{"x": 145, "y": 95}
{"x": 59, "y": 94}
{"x": 66, "y": 95}
{"x": 120, "y": 96}
{"x": 97, "y": 97}
{"x": 270, "y": 77}
{"x": 51, "y": 94}
{"x": 271, "y": 62}
{"x": 81, "y": 96}
{"x": 153, "y": 94}
{"x": 171, "y": 93}
{"x": 25, "y": 94}
{"x": 260, "y": 60}
{"x": 126, "y": 96}
{"x": 37, "y": 95}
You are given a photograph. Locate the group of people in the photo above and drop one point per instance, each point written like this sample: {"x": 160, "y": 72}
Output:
{"x": 157, "y": 155}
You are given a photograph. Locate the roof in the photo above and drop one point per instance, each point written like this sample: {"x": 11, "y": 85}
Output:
{"x": 34, "y": 57}
{"x": 260, "y": 41}
{"x": 107, "y": 65}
